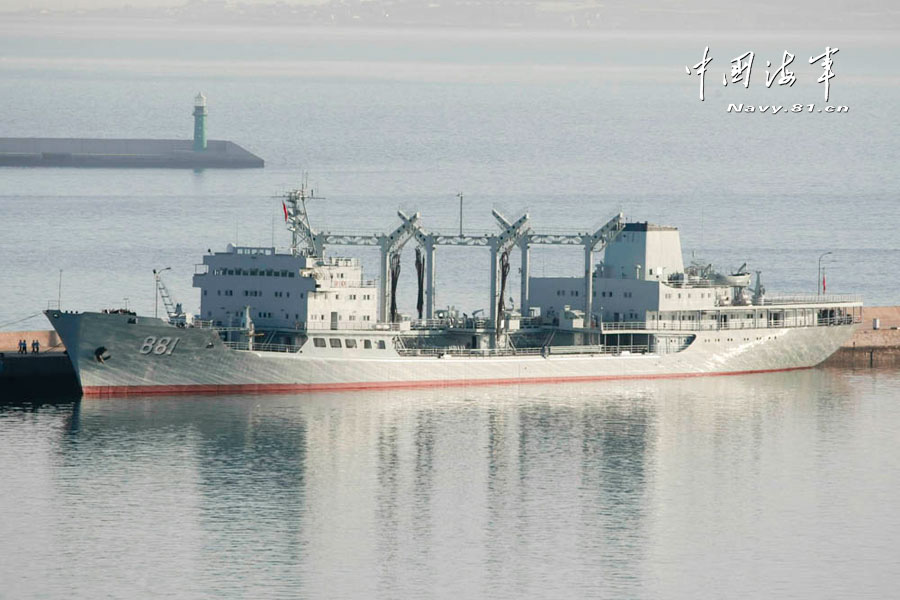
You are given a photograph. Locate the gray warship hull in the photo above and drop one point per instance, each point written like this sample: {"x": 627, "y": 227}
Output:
{"x": 116, "y": 354}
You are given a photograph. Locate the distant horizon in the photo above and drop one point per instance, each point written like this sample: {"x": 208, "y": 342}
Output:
{"x": 617, "y": 15}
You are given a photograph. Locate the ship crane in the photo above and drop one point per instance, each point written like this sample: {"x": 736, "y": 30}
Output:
{"x": 390, "y": 245}
{"x": 173, "y": 310}
{"x": 511, "y": 234}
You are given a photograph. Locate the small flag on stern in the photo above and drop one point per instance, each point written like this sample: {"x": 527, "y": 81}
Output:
{"x": 284, "y": 206}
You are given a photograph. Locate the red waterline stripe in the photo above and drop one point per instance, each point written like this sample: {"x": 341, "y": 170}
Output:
{"x": 275, "y": 388}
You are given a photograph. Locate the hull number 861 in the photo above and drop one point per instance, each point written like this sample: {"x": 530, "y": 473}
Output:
{"x": 163, "y": 345}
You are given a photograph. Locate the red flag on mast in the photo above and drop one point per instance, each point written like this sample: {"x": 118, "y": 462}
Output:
{"x": 823, "y": 283}
{"x": 284, "y": 206}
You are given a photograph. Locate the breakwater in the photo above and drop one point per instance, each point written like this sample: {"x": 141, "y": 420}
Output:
{"x": 124, "y": 153}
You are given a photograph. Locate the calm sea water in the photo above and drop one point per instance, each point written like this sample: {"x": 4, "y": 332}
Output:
{"x": 764, "y": 486}
{"x": 760, "y": 486}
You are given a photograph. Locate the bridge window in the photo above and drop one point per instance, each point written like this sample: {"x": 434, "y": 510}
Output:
{"x": 334, "y": 342}
{"x": 367, "y": 344}
{"x": 381, "y": 345}
{"x": 319, "y": 342}
{"x": 350, "y": 343}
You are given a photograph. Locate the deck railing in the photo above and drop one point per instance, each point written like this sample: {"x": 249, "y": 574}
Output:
{"x": 259, "y": 347}
{"x": 775, "y": 299}
{"x": 715, "y": 324}
{"x": 543, "y": 351}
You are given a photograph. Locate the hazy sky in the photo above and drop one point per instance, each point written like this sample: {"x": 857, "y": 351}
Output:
{"x": 672, "y": 16}
{"x": 89, "y": 4}
{"x": 775, "y": 9}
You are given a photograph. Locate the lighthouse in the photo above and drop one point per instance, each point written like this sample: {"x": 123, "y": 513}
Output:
{"x": 200, "y": 123}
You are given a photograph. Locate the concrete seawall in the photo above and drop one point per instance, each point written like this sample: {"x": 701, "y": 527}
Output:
{"x": 24, "y": 376}
{"x": 48, "y": 339}
{"x": 870, "y": 347}
{"x": 47, "y": 373}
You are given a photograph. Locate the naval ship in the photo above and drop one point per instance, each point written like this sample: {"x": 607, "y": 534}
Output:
{"x": 304, "y": 320}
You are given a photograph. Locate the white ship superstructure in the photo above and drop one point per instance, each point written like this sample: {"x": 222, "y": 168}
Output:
{"x": 304, "y": 320}
{"x": 286, "y": 293}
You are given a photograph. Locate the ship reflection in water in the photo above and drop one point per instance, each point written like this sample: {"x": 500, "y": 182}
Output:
{"x": 760, "y": 485}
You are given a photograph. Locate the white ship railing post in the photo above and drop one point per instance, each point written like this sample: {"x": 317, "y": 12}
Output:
{"x": 524, "y": 303}
{"x": 429, "y": 276}
{"x": 596, "y": 242}
{"x": 384, "y": 269}
{"x": 495, "y": 266}
{"x": 588, "y": 283}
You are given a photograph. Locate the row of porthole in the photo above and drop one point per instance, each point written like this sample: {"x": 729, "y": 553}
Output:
{"x": 745, "y": 339}
{"x": 348, "y": 343}
{"x": 254, "y": 272}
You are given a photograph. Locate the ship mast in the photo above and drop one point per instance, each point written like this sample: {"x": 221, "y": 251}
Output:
{"x": 305, "y": 241}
